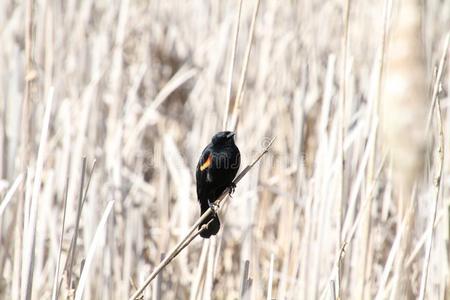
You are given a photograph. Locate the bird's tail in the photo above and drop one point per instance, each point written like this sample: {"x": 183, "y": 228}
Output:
{"x": 213, "y": 226}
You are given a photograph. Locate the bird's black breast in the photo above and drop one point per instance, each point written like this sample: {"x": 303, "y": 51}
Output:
{"x": 214, "y": 176}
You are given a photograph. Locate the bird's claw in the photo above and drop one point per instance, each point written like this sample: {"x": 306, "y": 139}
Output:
{"x": 214, "y": 206}
{"x": 231, "y": 188}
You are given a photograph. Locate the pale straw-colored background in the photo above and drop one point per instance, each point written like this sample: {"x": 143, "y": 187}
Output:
{"x": 340, "y": 207}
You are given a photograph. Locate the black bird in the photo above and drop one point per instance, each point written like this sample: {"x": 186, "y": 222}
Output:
{"x": 216, "y": 169}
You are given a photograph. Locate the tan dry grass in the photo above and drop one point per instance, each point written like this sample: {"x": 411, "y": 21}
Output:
{"x": 141, "y": 86}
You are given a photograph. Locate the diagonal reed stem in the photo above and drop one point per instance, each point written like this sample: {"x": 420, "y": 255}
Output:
{"x": 189, "y": 237}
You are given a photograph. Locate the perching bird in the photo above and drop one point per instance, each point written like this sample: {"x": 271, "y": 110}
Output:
{"x": 216, "y": 169}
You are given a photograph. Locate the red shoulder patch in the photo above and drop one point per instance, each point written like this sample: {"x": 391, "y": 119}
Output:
{"x": 207, "y": 163}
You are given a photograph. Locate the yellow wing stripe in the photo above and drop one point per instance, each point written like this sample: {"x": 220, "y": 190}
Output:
{"x": 207, "y": 163}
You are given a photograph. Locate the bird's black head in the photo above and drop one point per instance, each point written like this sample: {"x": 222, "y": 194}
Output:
{"x": 223, "y": 137}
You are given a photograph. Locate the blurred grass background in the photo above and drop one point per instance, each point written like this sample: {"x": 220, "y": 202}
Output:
{"x": 342, "y": 206}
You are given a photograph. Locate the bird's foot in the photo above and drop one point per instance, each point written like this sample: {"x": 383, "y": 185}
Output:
{"x": 231, "y": 188}
{"x": 214, "y": 207}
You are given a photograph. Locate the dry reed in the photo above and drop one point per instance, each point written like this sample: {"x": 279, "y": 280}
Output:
{"x": 141, "y": 86}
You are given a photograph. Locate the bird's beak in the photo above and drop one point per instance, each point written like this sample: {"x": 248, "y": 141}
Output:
{"x": 231, "y": 135}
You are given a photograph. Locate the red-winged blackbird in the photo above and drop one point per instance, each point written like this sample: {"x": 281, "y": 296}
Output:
{"x": 216, "y": 170}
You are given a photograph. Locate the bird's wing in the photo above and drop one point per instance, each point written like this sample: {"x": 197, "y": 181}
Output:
{"x": 202, "y": 174}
